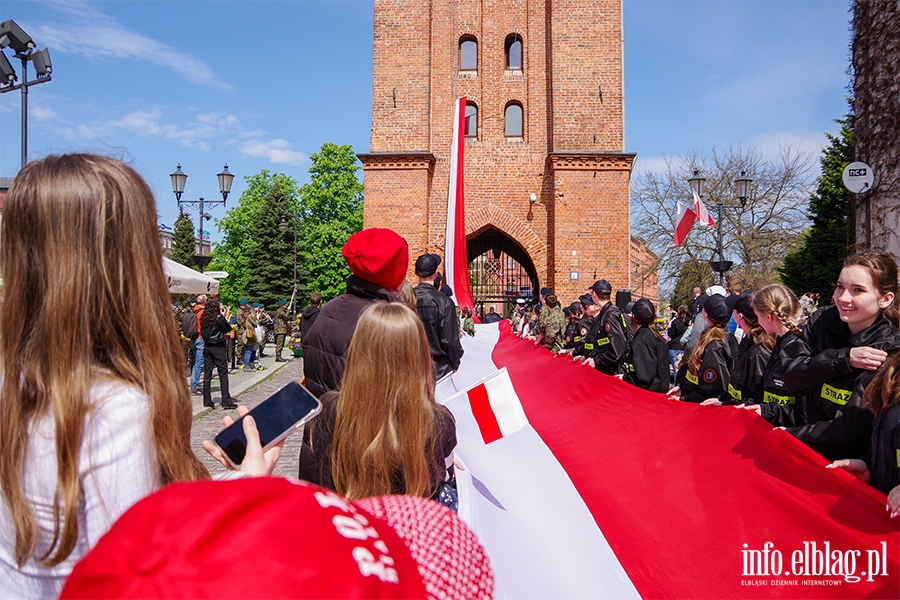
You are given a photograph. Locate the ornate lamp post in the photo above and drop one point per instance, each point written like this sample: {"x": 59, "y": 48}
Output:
{"x": 178, "y": 180}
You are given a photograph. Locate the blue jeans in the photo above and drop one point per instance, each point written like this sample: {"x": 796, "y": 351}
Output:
{"x": 198, "y": 362}
{"x": 673, "y": 356}
{"x": 248, "y": 355}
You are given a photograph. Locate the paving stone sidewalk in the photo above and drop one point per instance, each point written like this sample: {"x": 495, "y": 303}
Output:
{"x": 208, "y": 423}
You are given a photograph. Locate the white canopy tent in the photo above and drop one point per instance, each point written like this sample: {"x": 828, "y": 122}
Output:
{"x": 184, "y": 280}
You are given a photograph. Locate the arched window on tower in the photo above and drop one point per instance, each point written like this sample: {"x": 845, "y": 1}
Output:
{"x": 468, "y": 54}
{"x": 471, "y": 120}
{"x": 514, "y": 120}
{"x": 514, "y": 51}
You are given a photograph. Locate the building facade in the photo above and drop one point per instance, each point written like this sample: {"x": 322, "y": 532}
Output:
{"x": 546, "y": 174}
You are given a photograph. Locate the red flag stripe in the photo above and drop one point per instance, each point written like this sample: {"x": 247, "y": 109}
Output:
{"x": 484, "y": 414}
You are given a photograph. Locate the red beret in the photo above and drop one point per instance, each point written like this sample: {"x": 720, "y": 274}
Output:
{"x": 269, "y": 537}
{"x": 377, "y": 255}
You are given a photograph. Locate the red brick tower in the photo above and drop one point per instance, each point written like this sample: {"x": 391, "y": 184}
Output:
{"x": 551, "y": 193}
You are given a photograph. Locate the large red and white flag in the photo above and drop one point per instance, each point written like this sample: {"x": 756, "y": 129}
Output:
{"x": 456, "y": 263}
{"x": 607, "y": 491}
{"x": 703, "y": 216}
{"x": 683, "y": 222}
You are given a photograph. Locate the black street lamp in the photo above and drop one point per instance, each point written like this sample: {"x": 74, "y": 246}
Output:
{"x": 13, "y": 36}
{"x": 742, "y": 185}
{"x": 179, "y": 178}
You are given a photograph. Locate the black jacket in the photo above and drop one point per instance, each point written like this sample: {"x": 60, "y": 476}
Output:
{"x": 647, "y": 361}
{"x": 438, "y": 315}
{"x": 325, "y": 344}
{"x": 307, "y": 319}
{"x": 836, "y": 424}
{"x": 581, "y": 332}
{"x": 746, "y": 380}
{"x": 780, "y": 403}
{"x": 883, "y": 461}
{"x": 675, "y": 331}
{"x": 569, "y": 336}
{"x": 715, "y": 371}
{"x": 606, "y": 340}
{"x": 219, "y": 326}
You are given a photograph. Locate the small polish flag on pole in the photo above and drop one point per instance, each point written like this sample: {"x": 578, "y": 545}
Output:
{"x": 496, "y": 406}
{"x": 683, "y": 223}
{"x": 703, "y": 215}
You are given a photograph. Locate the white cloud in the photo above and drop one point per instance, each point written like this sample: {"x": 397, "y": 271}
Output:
{"x": 149, "y": 123}
{"x": 278, "y": 151}
{"x": 92, "y": 33}
{"x": 42, "y": 113}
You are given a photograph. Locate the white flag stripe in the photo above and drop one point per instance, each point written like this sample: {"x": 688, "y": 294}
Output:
{"x": 505, "y": 403}
{"x": 542, "y": 540}
{"x": 450, "y": 231}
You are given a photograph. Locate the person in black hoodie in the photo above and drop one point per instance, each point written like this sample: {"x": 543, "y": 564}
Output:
{"x": 708, "y": 369}
{"x": 778, "y": 313}
{"x": 214, "y": 328}
{"x": 647, "y": 359}
{"x": 675, "y": 332}
{"x": 309, "y": 314}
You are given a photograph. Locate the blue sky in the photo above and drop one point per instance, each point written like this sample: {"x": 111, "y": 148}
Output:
{"x": 263, "y": 84}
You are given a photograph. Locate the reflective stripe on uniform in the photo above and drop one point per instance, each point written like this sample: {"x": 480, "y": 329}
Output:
{"x": 771, "y": 398}
{"x": 603, "y": 341}
{"x": 692, "y": 378}
{"x": 736, "y": 394}
{"x": 836, "y": 395}
{"x": 588, "y": 346}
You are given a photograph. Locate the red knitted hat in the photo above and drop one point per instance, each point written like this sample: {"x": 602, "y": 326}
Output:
{"x": 269, "y": 537}
{"x": 377, "y": 255}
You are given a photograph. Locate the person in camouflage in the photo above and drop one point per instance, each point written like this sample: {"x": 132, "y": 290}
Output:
{"x": 551, "y": 327}
{"x": 281, "y": 329}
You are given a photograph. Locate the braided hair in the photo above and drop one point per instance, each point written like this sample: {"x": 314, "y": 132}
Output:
{"x": 781, "y": 302}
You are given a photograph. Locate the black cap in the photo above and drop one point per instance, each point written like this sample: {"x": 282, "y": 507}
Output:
{"x": 427, "y": 264}
{"x": 629, "y": 307}
{"x": 575, "y": 308}
{"x": 586, "y": 299}
{"x": 546, "y": 291}
{"x": 447, "y": 290}
{"x": 643, "y": 311}
{"x": 716, "y": 309}
{"x": 567, "y": 312}
{"x": 742, "y": 303}
{"x": 602, "y": 287}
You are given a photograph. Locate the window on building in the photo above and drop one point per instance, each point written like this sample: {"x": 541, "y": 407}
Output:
{"x": 468, "y": 54}
{"x": 514, "y": 52}
{"x": 471, "y": 120}
{"x": 514, "y": 120}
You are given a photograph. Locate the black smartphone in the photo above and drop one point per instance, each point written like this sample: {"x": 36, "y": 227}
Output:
{"x": 276, "y": 417}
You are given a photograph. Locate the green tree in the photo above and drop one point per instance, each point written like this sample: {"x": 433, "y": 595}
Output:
{"x": 331, "y": 210}
{"x": 183, "y": 241}
{"x": 239, "y": 226}
{"x": 269, "y": 253}
{"x": 693, "y": 273}
{"x": 815, "y": 264}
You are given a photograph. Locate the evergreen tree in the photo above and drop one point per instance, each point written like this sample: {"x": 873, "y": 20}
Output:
{"x": 239, "y": 227}
{"x": 183, "y": 245}
{"x": 331, "y": 210}
{"x": 269, "y": 254}
{"x": 816, "y": 264}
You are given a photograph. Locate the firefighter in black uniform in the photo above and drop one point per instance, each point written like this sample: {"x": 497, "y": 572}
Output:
{"x": 745, "y": 385}
{"x": 607, "y": 334}
{"x": 589, "y": 310}
{"x": 573, "y": 315}
{"x": 707, "y": 374}
{"x": 647, "y": 359}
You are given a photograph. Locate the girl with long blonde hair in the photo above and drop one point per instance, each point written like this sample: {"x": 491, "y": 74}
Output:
{"x": 382, "y": 432}
{"x": 778, "y": 312}
{"x": 95, "y": 412}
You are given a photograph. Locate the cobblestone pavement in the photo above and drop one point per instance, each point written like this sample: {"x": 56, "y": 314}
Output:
{"x": 208, "y": 424}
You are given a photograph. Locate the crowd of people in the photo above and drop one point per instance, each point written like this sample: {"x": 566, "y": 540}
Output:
{"x": 95, "y": 435}
{"x": 95, "y": 410}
